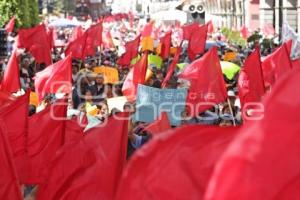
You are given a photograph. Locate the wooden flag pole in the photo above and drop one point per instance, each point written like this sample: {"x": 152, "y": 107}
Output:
{"x": 231, "y": 112}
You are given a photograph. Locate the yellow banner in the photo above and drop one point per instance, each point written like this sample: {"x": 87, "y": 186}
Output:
{"x": 230, "y": 56}
{"x": 111, "y": 75}
{"x": 147, "y": 43}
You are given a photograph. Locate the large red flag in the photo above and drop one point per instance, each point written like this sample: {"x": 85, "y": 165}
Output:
{"x": 76, "y": 47}
{"x": 197, "y": 42}
{"x": 251, "y": 81}
{"x": 176, "y": 164}
{"x": 14, "y": 118}
{"x": 276, "y": 65}
{"x": 136, "y": 76}
{"x": 261, "y": 163}
{"x": 73, "y": 130}
{"x": 10, "y": 25}
{"x": 166, "y": 45}
{"x": 131, "y": 51}
{"x": 172, "y": 67}
{"x": 55, "y": 78}
{"x": 36, "y": 41}
{"x": 91, "y": 168}
{"x": 188, "y": 30}
{"x": 207, "y": 83}
{"x": 11, "y": 79}
{"x": 161, "y": 125}
{"x": 10, "y": 188}
{"x": 46, "y": 132}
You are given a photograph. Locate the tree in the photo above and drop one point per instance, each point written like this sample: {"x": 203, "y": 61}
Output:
{"x": 24, "y": 11}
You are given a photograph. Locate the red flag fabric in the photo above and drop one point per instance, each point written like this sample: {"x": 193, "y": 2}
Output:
{"x": 197, "y": 42}
{"x": 244, "y": 32}
{"x": 10, "y": 25}
{"x": 55, "y": 78}
{"x": 136, "y": 76}
{"x": 14, "y": 118}
{"x": 51, "y": 41}
{"x": 188, "y": 30}
{"x": 172, "y": 67}
{"x": 147, "y": 31}
{"x": 166, "y": 42}
{"x": 207, "y": 83}
{"x": 77, "y": 33}
{"x": 260, "y": 163}
{"x": 10, "y": 188}
{"x": 131, "y": 51}
{"x": 176, "y": 164}
{"x": 73, "y": 130}
{"x": 251, "y": 81}
{"x": 36, "y": 41}
{"x": 11, "y": 79}
{"x": 210, "y": 27}
{"x": 108, "y": 41}
{"x": 85, "y": 45}
{"x": 91, "y": 168}
{"x": 5, "y": 98}
{"x": 46, "y": 131}
{"x": 161, "y": 125}
{"x": 276, "y": 65}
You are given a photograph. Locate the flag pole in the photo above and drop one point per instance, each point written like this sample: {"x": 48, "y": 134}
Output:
{"x": 231, "y": 112}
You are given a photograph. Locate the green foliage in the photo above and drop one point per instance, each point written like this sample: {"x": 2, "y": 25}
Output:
{"x": 25, "y": 11}
{"x": 234, "y": 37}
{"x": 255, "y": 37}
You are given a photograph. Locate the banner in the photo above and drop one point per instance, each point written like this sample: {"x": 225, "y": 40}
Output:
{"x": 151, "y": 102}
{"x": 147, "y": 44}
{"x": 155, "y": 60}
{"x": 116, "y": 102}
{"x": 110, "y": 74}
{"x": 289, "y": 34}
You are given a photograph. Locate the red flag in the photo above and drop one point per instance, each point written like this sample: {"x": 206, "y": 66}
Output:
{"x": 131, "y": 51}
{"x": 172, "y": 67}
{"x": 260, "y": 163}
{"x": 197, "y": 42}
{"x": 46, "y": 131}
{"x": 77, "y": 33}
{"x": 244, "y": 32}
{"x": 73, "y": 130}
{"x": 51, "y": 40}
{"x": 251, "y": 80}
{"x": 10, "y": 25}
{"x": 85, "y": 45}
{"x": 188, "y": 30}
{"x": 55, "y": 78}
{"x": 15, "y": 119}
{"x": 166, "y": 42}
{"x": 162, "y": 124}
{"x": 11, "y": 79}
{"x": 210, "y": 27}
{"x": 10, "y": 188}
{"x": 36, "y": 41}
{"x": 147, "y": 31}
{"x": 183, "y": 159}
{"x": 207, "y": 83}
{"x": 276, "y": 65}
{"x": 91, "y": 168}
{"x": 135, "y": 76}
{"x": 107, "y": 41}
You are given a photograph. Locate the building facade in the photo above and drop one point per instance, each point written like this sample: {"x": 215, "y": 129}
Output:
{"x": 278, "y": 11}
{"x": 233, "y": 13}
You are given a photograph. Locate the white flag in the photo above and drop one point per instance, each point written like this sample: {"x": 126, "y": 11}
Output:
{"x": 289, "y": 34}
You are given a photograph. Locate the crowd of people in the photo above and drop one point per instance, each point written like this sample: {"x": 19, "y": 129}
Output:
{"x": 90, "y": 90}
